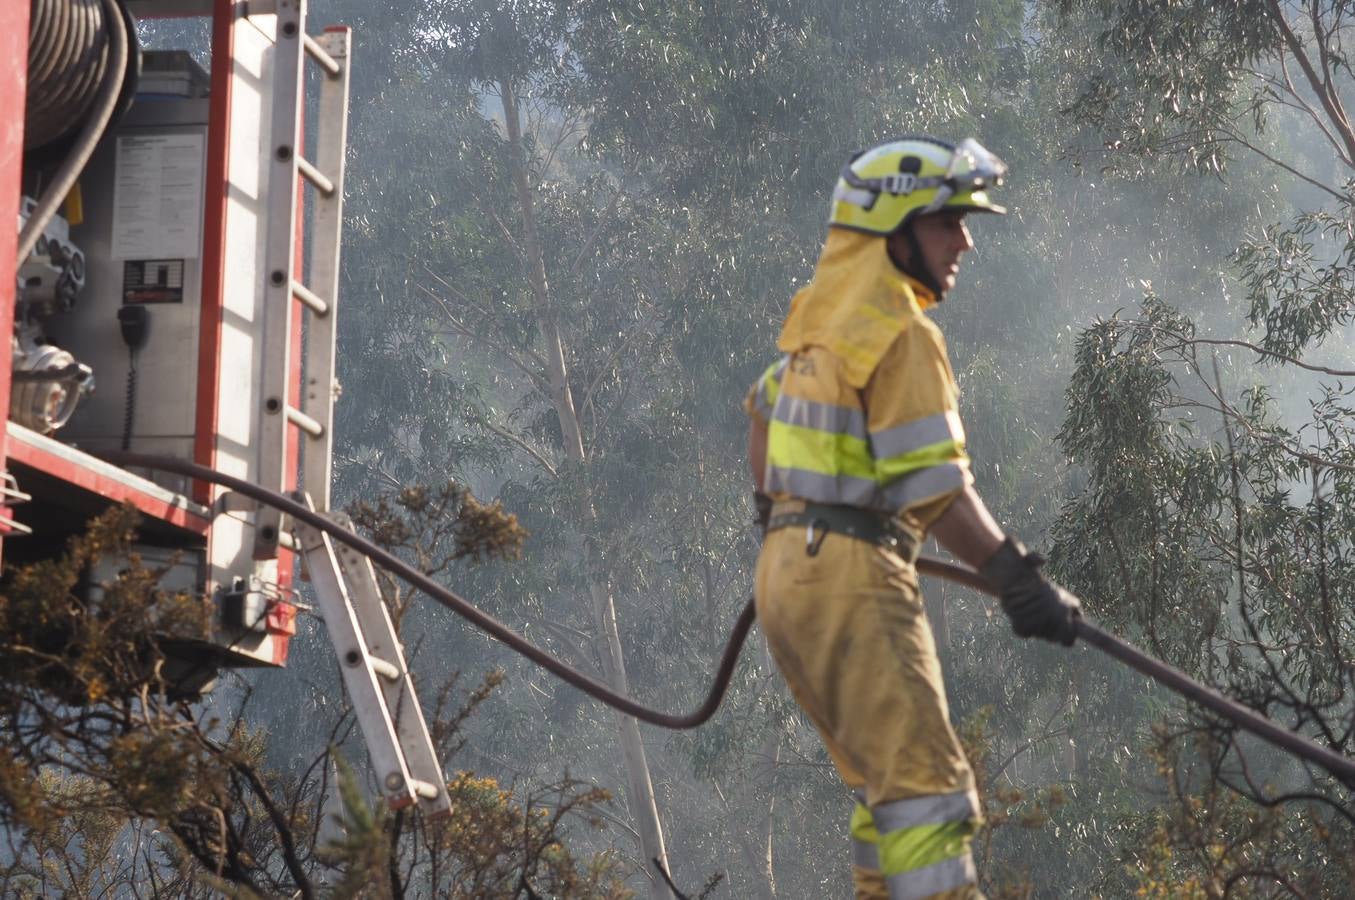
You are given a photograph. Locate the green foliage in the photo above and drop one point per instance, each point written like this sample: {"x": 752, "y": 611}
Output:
{"x": 1221, "y": 527}
{"x": 58, "y": 635}
{"x": 1300, "y": 278}
{"x": 1175, "y": 77}
{"x": 494, "y": 41}
{"x": 1210, "y": 521}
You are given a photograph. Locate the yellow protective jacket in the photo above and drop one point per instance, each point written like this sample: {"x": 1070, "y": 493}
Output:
{"x": 863, "y": 408}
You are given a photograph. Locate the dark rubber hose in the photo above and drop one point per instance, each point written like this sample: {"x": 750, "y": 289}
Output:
{"x": 1243, "y": 717}
{"x": 463, "y": 608}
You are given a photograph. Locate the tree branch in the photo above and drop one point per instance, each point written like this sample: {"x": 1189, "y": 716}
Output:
{"x": 290, "y": 857}
{"x": 1301, "y": 103}
{"x": 522, "y": 445}
{"x": 597, "y": 232}
{"x": 1260, "y": 351}
{"x": 1229, "y": 135}
{"x": 603, "y": 369}
{"x": 1268, "y": 874}
{"x": 1295, "y": 45}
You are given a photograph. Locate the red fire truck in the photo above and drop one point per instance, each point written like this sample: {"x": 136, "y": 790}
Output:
{"x": 169, "y": 260}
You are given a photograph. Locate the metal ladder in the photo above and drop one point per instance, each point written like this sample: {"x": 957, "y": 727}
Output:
{"x": 287, "y": 301}
{"x": 370, "y": 656}
{"x": 374, "y": 671}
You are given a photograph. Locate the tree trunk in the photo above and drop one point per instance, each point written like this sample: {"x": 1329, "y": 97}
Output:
{"x": 639, "y": 786}
{"x": 760, "y": 860}
{"x": 935, "y": 603}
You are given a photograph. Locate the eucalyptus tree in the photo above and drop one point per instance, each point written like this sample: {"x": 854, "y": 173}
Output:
{"x": 1217, "y": 505}
{"x": 561, "y": 322}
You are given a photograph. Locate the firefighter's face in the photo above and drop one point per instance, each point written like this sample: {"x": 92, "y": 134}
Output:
{"x": 943, "y": 237}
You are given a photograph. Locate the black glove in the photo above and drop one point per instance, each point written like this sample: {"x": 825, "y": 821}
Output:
{"x": 1037, "y": 606}
{"x": 763, "y": 504}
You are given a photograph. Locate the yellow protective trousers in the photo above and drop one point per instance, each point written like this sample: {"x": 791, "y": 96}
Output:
{"x": 859, "y": 657}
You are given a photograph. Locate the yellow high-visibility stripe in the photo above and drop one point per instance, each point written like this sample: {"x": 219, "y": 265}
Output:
{"x": 922, "y": 859}
{"x": 829, "y": 417}
{"x": 909, "y": 849}
{"x": 823, "y": 452}
{"x": 863, "y": 825}
{"x": 891, "y": 468}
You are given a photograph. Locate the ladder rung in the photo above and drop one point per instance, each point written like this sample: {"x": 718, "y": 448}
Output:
{"x": 305, "y": 422}
{"x": 10, "y": 490}
{"x": 313, "y": 301}
{"x": 424, "y": 789}
{"x": 13, "y": 527}
{"x": 321, "y": 181}
{"x": 386, "y": 670}
{"x": 317, "y": 53}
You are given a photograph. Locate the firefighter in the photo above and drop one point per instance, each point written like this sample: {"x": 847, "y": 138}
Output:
{"x": 857, "y": 447}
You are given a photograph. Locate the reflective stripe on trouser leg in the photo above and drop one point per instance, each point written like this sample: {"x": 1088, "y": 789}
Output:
{"x": 923, "y": 843}
{"x": 937, "y": 878}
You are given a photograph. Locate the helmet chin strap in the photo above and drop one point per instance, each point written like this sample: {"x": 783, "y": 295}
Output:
{"x": 915, "y": 265}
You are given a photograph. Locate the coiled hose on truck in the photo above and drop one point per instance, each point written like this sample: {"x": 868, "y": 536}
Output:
{"x": 78, "y": 63}
{"x": 1343, "y": 768}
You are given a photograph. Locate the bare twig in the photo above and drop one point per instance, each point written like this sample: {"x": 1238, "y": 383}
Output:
{"x": 597, "y": 232}
{"x": 1341, "y": 152}
{"x": 1246, "y": 345}
{"x": 1237, "y": 138}
{"x": 521, "y": 444}
{"x": 1267, "y": 874}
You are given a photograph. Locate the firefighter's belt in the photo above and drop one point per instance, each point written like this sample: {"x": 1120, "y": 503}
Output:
{"x": 862, "y": 524}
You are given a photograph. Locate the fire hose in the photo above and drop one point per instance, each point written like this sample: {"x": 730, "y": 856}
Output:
{"x": 1342, "y": 767}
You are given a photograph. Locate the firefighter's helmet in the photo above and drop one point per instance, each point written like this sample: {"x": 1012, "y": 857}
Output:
{"x": 880, "y": 190}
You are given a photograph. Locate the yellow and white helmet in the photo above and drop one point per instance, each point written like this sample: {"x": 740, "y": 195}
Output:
{"x": 880, "y": 190}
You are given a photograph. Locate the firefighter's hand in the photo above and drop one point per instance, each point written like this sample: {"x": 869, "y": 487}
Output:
{"x": 1037, "y": 606}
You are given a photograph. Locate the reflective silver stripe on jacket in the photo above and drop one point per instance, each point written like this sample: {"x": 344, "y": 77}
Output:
{"x": 925, "y": 483}
{"x": 934, "y": 810}
{"x": 933, "y": 879}
{"x": 827, "y": 417}
{"x": 821, "y": 488}
{"x": 919, "y": 433}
